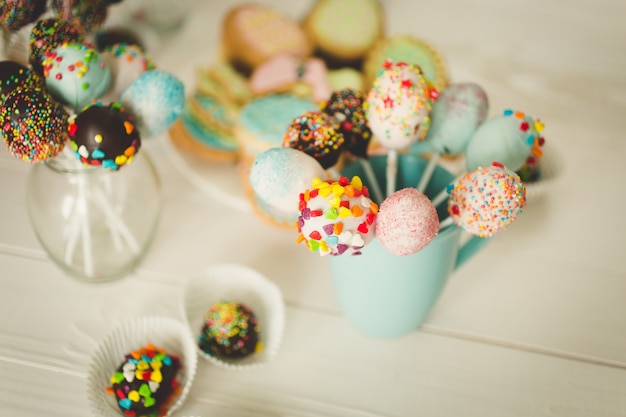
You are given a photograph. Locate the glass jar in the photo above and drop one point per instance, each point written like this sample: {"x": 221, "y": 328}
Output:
{"x": 96, "y": 224}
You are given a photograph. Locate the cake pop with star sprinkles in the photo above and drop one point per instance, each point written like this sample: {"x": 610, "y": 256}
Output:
{"x": 34, "y": 125}
{"x": 315, "y": 134}
{"x": 336, "y": 217}
{"x": 486, "y": 200}
{"x": 104, "y": 135}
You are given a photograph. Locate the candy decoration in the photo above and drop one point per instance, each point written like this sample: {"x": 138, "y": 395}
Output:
{"x": 34, "y": 125}
{"x": 336, "y": 217}
{"x": 397, "y": 109}
{"x": 75, "y": 74}
{"x": 15, "y": 14}
{"x": 105, "y": 136}
{"x": 486, "y": 200}
{"x": 407, "y": 222}
{"x": 46, "y": 35}
{"x": 315, "y": 134}
{"x": 279, "y": 175}
{"x": 155, "y": 99}
{"x": 15, "y": 75}
{"x": 510, "y": 138}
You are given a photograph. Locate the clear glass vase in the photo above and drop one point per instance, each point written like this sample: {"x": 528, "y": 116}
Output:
{"x": 94, "y": 223}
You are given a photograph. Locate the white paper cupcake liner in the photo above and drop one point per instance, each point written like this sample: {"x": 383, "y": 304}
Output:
{"x": 162, "y": 332}
{"x": 241, "y": 284}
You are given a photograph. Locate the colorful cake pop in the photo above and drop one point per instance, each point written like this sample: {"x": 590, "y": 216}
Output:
{"x": 398, "y": 105}
{"x": 15, "y": 14}
{"x": 85, "y": 15}
{"x": 315, "y": 133}
{"x": 510, "y": 138}
{"x": 15, "y": 75}
{"x": 46, "y": 35}
{"x": 486, "y": 200}
{"x": 155, "y": 99}
{"x": 127, "y": 63}
{"x": 455, "y": 115}
{"x": 104, "y": 135}
{"x": 336, "y": 217}
{"x": 346, "y": 106}
{"x": 75, "y": 74}
{"x": 34, "y": 125}
{"x": 279, "y": 175}
{"x": 407, "y": 221}
{"x": 230, "y": 330}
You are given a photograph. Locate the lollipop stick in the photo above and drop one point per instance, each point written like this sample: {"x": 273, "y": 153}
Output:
{"x": 445, "y": 223}
{"x": 372, "y": 181}
{"x": 428, "y": 172}
{"x": 392, "y": 170}
{"x": 117, "y": 227}
{"x": 85, "y": 231}
{"x": 72, "y": 232}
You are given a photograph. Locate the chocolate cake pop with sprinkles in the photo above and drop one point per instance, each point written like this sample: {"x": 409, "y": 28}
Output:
{"x": 346, "y": 107}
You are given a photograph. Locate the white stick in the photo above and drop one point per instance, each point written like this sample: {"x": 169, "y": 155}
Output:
{"x": 441, "y": 197}
{"x": 428, "y": 172}
{"x": 372, "y": 180}
{"x": 72, "y": 233}
{"x": 445, "y": 223}
{"x": 117, "y": 227}
{"x": 392, "y": 170}
{"x": 85, "y": 230}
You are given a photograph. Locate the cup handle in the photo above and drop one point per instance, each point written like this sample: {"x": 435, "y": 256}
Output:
{"x": 469, "y": 249}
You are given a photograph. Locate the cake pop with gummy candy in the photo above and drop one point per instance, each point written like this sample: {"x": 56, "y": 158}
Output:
{"x": 486, "y": 200}
{"x": 46, "y": 35}
{"x": 336, "y": 217}
{"x": 278, "y": 176}
{"x": 34, "y": 125}
{"x": 76, "y": 74}
{"x": 104, "y": 135}
{"x": 155, "y": 99}
{"x": 509, "y": 138}
{"x": 315, "y": 134}
{"x": 407, "y": 222}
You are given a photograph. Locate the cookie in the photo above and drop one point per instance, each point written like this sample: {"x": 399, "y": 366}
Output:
{"x": 253, "y": 33}
{"x": 344, "y": 30}
{"x": 404, "y": 48}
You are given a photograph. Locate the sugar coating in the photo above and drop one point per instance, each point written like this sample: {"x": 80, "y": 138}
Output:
{"x": 487, "y": 200}
{"x": 407, "y": 222}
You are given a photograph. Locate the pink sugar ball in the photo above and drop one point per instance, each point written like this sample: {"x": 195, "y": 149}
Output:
{"x": 407, "y": 222}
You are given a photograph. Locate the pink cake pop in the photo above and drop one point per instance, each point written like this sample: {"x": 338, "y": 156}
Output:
{"x": 397, "y": 109}
{"x": 407, "y": 222}
{"x": 486, "y": 200}
{"x": 278, "y": 176}
{"x": 336, "y": 217}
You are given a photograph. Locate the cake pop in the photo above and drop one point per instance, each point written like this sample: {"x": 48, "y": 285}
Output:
{"x": 336, "y": 217}
{"x": 75, "y": 74}
{"x": 455, "y": 115}
{"x": 315, "y": 133}
{"x": 509, "y": 138}
{"x": 86, "y": 15}
{"x": 155, "y": 99}
{"x": 104, "y": 135}
{"x": 279, "y": 175}
{"x": 46, "y": 35}
{"x": 127, "y": 63}
{"x": 397, "y": 109}
{"x": 15, "y": 14}
{"x": 486, "y": 200}
{"x": 34, "y": 125}
{"x": 407, "y": 222}
{"x": 15, "y": 75}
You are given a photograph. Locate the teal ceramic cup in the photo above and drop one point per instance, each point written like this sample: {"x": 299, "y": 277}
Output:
{"x": 386, "y": 295}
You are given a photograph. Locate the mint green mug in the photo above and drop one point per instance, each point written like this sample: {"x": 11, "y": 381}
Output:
{"x": 386, "y": 295}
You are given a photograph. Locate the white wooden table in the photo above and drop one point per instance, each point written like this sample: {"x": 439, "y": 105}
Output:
{"x": 534, "y": 325}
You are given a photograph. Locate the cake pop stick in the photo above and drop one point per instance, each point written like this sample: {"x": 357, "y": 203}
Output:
{"x": 397, "y": 109}
{"x": 346, "y": 107}
{"x": 456, "y": 114}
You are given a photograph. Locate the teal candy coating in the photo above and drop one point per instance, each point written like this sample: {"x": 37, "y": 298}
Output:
{"x": 455, "y": 115}
{"x": 388, "y": 296}
{"x": 501, "y": 139}
{"x": 156, "y": 99}
{"x": 268, "y": 117}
